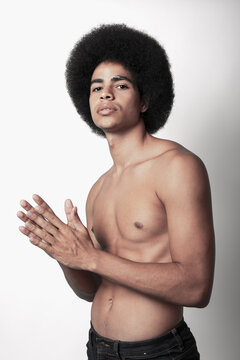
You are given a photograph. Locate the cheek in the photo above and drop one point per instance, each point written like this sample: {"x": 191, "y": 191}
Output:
{"x": 90, "y": 102}
{"x": 91, "y": 105}
{"x": 135, "y": 105}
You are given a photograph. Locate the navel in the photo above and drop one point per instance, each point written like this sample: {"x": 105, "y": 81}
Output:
{"x": 110, "y": 302}
{"x": 138, "y": 225}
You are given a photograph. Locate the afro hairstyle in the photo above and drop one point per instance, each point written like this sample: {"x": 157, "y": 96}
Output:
{"x": 139, "y": 53}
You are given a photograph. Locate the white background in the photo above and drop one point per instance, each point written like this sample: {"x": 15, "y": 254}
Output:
{"x": 47, "y": 149}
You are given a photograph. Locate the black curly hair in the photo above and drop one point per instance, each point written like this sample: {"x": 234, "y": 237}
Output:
{"x": 139, "y": 53}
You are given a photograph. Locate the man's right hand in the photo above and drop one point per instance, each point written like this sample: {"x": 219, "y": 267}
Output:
{"x": 73, "y": 221}
{"x": 83, "y": 283}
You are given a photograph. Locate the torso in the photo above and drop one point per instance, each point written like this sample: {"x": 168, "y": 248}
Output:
{"x": 129, "y": 220}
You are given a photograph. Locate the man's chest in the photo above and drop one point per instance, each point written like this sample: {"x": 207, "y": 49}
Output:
{"x": 127, "y": 210}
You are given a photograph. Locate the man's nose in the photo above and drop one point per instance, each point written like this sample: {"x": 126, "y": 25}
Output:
{"x": 107, "y": 95}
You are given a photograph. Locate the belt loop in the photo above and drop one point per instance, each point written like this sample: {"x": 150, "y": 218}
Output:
{"x": 178, "y": 338}
{"x": 116, "y": 347}
{"x": 90, "y": 337}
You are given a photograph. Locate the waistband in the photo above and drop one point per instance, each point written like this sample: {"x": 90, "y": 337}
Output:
{"x": 172, "y": 336}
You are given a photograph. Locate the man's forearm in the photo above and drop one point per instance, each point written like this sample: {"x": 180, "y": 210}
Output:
{"x": 170, "y": 282}
{"x": 83, "y": 283}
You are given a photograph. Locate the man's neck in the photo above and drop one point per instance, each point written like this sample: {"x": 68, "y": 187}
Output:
{"x": 128, "y": 148}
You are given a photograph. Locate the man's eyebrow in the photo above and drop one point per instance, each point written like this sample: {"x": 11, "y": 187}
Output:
{"x": 96, "y": 81}
{"x": 121, "y": 77}
{"x": 113, "y": 79}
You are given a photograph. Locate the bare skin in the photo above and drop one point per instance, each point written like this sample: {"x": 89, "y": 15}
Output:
{"x": 132, "y": 224}
{"x": 148, "y": 249}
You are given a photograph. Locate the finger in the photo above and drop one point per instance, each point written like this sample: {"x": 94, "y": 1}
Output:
{"x": 26, "y": 205}
{"x": 34, "y": 237}
{"x": 22, "y": 216}
{"x": 27, "y": 232}
{"x": 41, "y": 202}
{"x": 42, "y": 245}
{"x": 41, "y": 233}
{"x": 24, "y": 230}
{"x": 51, "y": 217}
{"x": 68, "y": 206}
{"x": 42, "y": 223}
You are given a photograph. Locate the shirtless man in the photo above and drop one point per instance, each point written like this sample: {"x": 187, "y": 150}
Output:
{"x": 148, "y": 249}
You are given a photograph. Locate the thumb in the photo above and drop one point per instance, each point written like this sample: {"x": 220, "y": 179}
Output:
{"x": 75, "y": 219}
{"x": 68, "y": 206}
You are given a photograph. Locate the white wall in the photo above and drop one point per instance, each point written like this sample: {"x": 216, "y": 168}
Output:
{"x": 47, "y": 149}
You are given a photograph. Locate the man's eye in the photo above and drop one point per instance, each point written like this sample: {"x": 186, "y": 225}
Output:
{"x": 122, "y": 86}
{"x": 97, "y": 88}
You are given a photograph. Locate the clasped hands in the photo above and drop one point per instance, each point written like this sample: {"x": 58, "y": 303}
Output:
{"x": 70, "y": 244}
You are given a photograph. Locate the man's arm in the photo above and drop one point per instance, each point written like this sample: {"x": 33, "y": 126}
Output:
{"x": 83, "y": 283}
{"x": 188, "y": 279}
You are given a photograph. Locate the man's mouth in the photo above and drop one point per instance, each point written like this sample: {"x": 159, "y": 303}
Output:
{"x": 106, "y": 110}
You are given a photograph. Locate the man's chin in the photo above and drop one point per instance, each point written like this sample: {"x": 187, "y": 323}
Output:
{"x": 107, "y": 126}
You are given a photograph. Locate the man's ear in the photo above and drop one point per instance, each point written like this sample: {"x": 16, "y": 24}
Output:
{"x": 144, "y": 105}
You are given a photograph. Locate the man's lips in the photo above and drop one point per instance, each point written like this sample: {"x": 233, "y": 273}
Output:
{"x": 106, "y": 109}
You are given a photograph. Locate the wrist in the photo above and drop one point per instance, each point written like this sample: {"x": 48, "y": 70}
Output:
{"x": 93, "y": 263}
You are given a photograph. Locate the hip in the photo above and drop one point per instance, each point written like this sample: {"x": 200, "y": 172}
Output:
{"x": 177, "y": 344}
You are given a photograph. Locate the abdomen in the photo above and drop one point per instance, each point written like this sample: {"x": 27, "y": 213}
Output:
{"x": 125, "y": 314}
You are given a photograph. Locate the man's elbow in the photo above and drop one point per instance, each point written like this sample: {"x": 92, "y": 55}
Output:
{"x": 202, "y": 301}
{"x": 202, "y": 296}
{"x": 89, "y": 297}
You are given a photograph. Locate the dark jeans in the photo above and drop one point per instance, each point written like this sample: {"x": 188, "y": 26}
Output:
{"x": 178, "y": 343}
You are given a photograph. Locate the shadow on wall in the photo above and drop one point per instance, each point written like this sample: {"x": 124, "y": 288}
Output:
{"x": 220, "y": 147}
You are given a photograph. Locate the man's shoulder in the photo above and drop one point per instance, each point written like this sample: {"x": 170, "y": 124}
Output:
{"x": 174, "y": 157}
{"x": 176, "y": 165}
{"x": 178, "y": 168}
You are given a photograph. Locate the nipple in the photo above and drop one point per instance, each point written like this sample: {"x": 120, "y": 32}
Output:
{"x": 138, "y": 225}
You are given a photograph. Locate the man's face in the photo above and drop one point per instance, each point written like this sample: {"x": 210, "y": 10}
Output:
{"x": 114, "y": 98}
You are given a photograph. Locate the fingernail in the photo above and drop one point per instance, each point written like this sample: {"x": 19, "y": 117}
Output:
{"x": 68, "y": 203}
{"x": 32, "y": 240}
